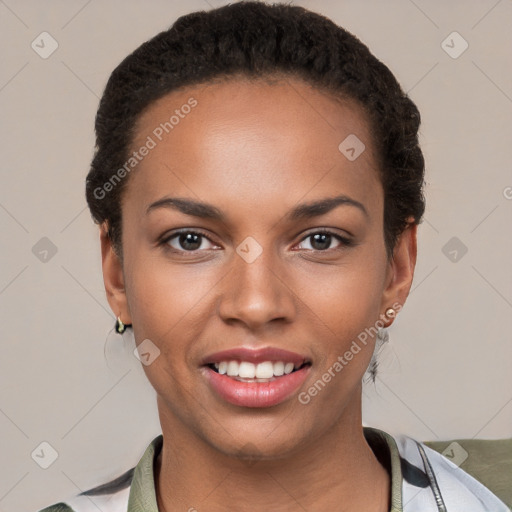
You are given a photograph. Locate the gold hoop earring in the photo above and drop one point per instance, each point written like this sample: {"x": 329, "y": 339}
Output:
{"x": 120, "y": 327}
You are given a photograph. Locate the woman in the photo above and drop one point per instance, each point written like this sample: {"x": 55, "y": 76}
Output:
{"x": 258, "y": 185}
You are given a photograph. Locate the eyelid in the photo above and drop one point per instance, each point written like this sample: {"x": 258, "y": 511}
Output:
{"x": 170, "y": 235}
{"x": 330, "y": 231}
{"x": 345, "y": 241}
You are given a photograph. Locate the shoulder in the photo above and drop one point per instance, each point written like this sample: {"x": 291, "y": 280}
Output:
{"x": 112, "y": 496}
{"x": 109, "y": 497}
{"x": 430, "y": 477}
{"x": 487, "y": 460}
{"x": 117, "y": 495}
{"x": 58, "y": 507}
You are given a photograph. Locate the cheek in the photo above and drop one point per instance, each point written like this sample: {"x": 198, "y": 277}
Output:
{"x": 346, "y": 299}
{"x": 165, "y": 303}
{"x": 162, "y": 295}
{"x": 345, "y": 306}
{"x": 346, "y": 313}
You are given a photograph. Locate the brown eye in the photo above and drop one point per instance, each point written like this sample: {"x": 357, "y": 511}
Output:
{"x": 322, "y": 241}
{"x": 189, "y": 241}
{"x": 186, "y": 241}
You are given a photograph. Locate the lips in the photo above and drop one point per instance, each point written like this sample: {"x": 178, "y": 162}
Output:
{"x": 255, "y": 377}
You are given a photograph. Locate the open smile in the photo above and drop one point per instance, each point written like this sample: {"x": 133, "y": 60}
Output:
{"x": 255, "y": 378}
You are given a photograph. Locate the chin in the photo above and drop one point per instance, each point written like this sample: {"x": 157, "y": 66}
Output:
{"x": 262, "y": 439}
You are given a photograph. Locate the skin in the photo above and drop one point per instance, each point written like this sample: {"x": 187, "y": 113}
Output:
{"x": 255, "y": 150}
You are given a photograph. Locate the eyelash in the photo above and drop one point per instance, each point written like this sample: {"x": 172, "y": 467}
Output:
{"x": 346, "y": 242}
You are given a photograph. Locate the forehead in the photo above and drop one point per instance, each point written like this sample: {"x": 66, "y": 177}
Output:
{"x": 241, "y": 102}
{"x": 256, "y": 141}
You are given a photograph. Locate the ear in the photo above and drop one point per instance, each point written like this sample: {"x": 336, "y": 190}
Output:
{"x": 113, "y": 277}
{"x": 400, "y": 271}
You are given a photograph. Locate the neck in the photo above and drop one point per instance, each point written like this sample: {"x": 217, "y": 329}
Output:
{"x": 337, "y": 471}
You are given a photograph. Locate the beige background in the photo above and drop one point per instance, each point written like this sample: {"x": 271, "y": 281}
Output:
{"x": 447, "y": 371}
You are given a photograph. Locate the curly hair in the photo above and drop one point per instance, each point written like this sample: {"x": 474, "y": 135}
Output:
{"x": 256, "y": 40}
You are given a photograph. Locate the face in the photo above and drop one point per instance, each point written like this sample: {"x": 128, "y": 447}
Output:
{"x": 245, "y": 273}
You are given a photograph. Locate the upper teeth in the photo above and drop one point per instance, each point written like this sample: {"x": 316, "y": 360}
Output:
{"x": 247, "y": 370}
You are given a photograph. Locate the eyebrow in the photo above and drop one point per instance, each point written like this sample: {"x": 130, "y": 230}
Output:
{"x": 208, "y": 211}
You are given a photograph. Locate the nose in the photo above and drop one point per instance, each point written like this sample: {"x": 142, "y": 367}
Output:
{"x": 257, "y": 293}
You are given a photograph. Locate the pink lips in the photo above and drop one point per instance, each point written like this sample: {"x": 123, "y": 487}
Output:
{"x": 255, "y": 394}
